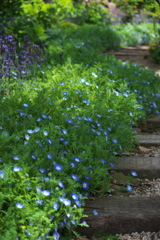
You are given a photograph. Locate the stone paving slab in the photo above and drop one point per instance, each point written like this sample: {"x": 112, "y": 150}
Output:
{"x": 148, "y": 140}
{"x": 145, "y": 166}
{"x": 122, "y": 215}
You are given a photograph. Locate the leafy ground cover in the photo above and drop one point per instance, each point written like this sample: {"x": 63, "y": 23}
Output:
{"x": 62, "y": 125}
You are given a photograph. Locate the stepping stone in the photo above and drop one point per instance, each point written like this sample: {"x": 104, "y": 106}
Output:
{"x": 148, "y": 167}
{"x": 148, "y": 140}
{"x": 122, "y": 215}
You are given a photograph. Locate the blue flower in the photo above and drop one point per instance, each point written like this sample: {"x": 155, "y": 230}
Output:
{"x": 40, "y": 202}
{"x": 16, "y": 158}
{"x": 38, "y": 120}
{"x": 56, "y": 205}
{"x": 70, "y": 121}
{"x": 61, "y": 184}
{"x": 98, "y": 115}
{"x": 16, "y": 169}
{"x": 129, "y": 188}
{"x": 30, "y": 131}
{"x": 33, "y": 156}
{"x": 74, "y": 222}
{"x": 58, "y": 167}
{"x": 25, "y": 105}
{"x": 44, "y": 116}
{"x": 42, "y": 170}
{"x": 85, "y": 101}
{"x": 85, "y": 185}
{"x": 95, "y": 213}
{"x": 65, "y": 98}
{"x": 77, "y": 159}
{"x": 38, "y": 189}
{"x": 39, "y": 143}
{"x": 27, "y": 137}
{"x": 19, "y": 205}
{"x": 64, "y": 131}
{"x": 22, "y": 114}
{"x": 78, "y": 203}
{"x": 74, "y": 196}
{"x": 112, "y": 164}
{"x": 65, "y": 93}
{"x": 125, "y": 94}
{"x": 75, "y": 177}
{"x": 45, "y": 133}
{"x": 50, "y": 141}
{"x": 93, "y": 130}
{"x": 65, "y": 201}
{"x": 2, "y": 174}
{"x": 37, "y": 129}
{"x": 46, "y": 178}
{"x": 114, "y": 140}
{"x": 95, "y": 75}
{"x": 103, "y": 161}
{"x": 62, "y": 139}
{"x": 109, "y": 129}
{"x": 134, "y": 174}
{"x": 80, "y": 118}
{"x": 105, "y": 133}
{"x": 49, "y": 156}
{"x": 73, "y": 164}
{"x": 46, "y": 193}
{"x": 84, "y": 223}
{"x": 56, "y": 236}
{"x": 65, "y": 142}
{"x": 88, "y": 177}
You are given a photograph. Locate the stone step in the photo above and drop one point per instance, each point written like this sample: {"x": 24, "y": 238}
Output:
{"x": 146, "y": 167}
{"x": 122, "y": 215}
{"x": 148, "y": 140}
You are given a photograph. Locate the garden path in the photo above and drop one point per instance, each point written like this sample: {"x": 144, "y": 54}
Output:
{"x": 139, "y": 55}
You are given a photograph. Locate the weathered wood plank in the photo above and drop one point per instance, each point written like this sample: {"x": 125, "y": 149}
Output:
{"x": 122, "y": 215}
{"x": 148, "y": 140}
{"x": 154, "y": 120}
{"x": 149, "y": 166}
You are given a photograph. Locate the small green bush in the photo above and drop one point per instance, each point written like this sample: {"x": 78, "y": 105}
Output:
{"x": 155, "y": 52}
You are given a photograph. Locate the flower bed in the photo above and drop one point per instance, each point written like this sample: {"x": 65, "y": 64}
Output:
{"x": 60, "y": 133}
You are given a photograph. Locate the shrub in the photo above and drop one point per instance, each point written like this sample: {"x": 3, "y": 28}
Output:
{"x": 155, "y": 51}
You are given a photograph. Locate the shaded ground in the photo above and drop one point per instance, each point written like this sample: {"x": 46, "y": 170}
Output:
{"x": 139, "y": 55}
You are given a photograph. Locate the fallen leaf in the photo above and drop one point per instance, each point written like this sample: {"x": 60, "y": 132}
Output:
{"x": 91, "y": 198}
{"x": 138, "y": 130}
{"x": 140, "y": 155}
{"x": 143, "y": 149}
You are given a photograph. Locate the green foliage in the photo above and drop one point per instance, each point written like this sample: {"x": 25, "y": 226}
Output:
{"x": 155, "y": 51}
{"x": 133, "y": 34}
{"x": 9, "y": 8}
{"x": 131, "y": 7}
{"x": 90, "y": 13}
